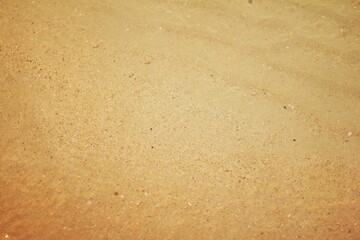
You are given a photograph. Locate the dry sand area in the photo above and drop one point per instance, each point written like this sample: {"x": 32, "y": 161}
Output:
{"x": 179, "y": 119}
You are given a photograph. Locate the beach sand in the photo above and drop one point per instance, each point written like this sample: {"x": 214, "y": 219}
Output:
{"x": 164, "y": 119}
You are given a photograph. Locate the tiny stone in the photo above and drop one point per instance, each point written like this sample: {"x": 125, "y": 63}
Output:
{"x": 349, "y": 134}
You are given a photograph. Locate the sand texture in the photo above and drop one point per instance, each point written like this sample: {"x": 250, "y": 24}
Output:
{"x": 169, "y": 119}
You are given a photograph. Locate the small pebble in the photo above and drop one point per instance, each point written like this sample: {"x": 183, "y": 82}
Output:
{"x": 291, "y": 106}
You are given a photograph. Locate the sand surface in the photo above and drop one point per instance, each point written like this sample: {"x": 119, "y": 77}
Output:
{"x": 164, "y": 119}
